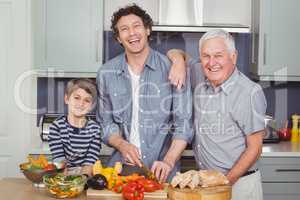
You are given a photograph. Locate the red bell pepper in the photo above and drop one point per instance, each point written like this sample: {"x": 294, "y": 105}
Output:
{"x": 149, "y": 185}
{"x": 133, "y": 191}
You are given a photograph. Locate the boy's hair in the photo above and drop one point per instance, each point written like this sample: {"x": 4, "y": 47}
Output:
{"x": 127, "y": 10}
{"x": 83, "y": 83}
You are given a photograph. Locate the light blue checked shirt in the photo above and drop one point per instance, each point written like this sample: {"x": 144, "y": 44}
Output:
{"x": 161, "y": 107}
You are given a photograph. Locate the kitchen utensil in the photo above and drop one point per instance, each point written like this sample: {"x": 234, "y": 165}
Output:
{"x": 148, "y": 172}
{"x": 271, "y": 130}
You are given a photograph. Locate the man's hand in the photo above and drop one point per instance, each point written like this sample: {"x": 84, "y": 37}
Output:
{"x": 177, "y": 74}
{"x": 130, "y": 152}
{"x": 178, "y": 71}
{"x": 161, "y": 170}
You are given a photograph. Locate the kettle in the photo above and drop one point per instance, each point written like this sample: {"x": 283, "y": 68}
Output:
{"x": 270, "y": 130}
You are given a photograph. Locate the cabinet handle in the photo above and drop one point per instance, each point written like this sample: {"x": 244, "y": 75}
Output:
{"x": 97, "y": 45}
{"x": 253, "y": 48}
{"x": 265, "y": 48}
{"x": 287, "y": 170}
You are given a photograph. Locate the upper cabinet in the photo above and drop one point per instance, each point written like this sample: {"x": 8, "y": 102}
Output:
{"x": 67, "y": 36}
{"x": 275, "y": 40}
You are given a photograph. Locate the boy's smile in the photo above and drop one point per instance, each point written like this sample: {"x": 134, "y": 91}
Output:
{"x": 79, "y": 103}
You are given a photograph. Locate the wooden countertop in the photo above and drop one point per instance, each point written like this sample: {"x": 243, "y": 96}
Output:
{"x": 22, "y": 189}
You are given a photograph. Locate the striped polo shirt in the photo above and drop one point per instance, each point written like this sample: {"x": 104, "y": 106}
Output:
{"x": 76, "y": 146}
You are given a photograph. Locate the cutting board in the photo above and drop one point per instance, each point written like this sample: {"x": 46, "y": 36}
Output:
{"x": 109, "y": 195}
{"x": 210, "y": 193}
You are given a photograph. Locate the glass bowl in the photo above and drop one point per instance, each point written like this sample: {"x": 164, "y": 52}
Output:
{"x": 36, "y": 175}
{"x": 64, "y": 186}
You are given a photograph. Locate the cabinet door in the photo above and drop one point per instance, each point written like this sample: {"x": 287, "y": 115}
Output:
{"x": 279, "y": 39}
{"x": 68, "y": 34}
{"x": 280, "y": 169}
{"x": 280, "y": 191}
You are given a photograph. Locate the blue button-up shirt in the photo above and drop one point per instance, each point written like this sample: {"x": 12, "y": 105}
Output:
{"x": 164, "y": 112}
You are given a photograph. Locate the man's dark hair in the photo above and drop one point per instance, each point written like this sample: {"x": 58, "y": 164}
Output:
{"x": 127, "y": 10}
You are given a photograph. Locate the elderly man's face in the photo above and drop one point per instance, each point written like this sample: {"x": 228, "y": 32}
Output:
{"x": 218, "y": 64}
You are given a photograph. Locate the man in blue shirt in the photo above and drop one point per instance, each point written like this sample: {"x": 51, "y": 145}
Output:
{"x": 143, "y": 116}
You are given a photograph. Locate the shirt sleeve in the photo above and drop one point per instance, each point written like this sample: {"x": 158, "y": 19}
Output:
{"x": 93, "y": 153}
{"x": 55, "y": 143}
{"x": 182, "y": 112}
{"x": 252, "y": 119}
{"x": 104, "y": 110}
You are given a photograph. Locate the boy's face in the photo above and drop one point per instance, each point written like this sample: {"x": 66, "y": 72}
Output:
{"x": 79, "y": 103}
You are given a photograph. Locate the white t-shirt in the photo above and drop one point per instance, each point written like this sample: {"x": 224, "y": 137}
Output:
{"x": 134, "y": 137}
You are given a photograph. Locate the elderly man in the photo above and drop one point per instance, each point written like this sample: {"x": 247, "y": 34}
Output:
{"x": 229, "y": 112}
{"x": 143, "y": 116}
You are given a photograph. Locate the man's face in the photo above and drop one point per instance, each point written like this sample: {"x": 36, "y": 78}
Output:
{"x": 132, "y": 34}
{"x": 79, "y": 103}
{"x": 217, "y": 63}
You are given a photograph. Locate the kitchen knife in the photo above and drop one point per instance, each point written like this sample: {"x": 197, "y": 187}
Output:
{"x": 149, "y": 174}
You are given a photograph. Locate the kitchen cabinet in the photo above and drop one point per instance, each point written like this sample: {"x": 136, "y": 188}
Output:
{"x": 67, "y": 35}
{"x": 275, "y": 40}
{"x": 281, "y": 178}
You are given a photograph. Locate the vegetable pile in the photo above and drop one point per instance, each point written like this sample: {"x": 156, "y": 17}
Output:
{"x": 40, "y": 163}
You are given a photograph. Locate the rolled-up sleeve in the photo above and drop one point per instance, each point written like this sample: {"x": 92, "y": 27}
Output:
{"x": 104, "y": 110}
{"x": 182, "y": 112}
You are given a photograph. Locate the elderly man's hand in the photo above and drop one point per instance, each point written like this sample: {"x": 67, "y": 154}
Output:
{"x": 130, "y": 153}
{"x": 177, "y": 74}
{"x": 161, "y": 170}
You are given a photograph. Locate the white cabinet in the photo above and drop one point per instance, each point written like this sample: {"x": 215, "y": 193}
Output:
{"x": 68, "y": 35}
{"x": 275, "y": 53}
{"x": 281, "y": 178}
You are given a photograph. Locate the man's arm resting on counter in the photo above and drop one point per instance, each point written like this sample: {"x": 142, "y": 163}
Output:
{"x": 248, "y": 157}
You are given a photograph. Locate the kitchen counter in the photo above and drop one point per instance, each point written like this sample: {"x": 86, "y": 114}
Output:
{"x": 22, "y": 189}
{"x": 281, "y": 149}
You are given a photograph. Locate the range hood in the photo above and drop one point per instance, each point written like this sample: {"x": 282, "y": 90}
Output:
{"x": 180, "y": 12}
{"x": 187, "y": 16}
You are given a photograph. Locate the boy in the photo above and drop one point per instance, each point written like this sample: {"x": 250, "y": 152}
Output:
{"x": 74, "y": 139}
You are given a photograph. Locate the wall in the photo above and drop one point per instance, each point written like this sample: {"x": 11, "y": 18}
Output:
{"x": 215, "y": 11}
{"x": 15, "y": 59}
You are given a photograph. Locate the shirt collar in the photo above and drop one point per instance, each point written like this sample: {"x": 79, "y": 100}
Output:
{"x": 150, "y": 62}
{"x": 227, "y": 86}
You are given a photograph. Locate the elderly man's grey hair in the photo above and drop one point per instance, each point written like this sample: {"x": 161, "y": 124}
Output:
{"x": 220, "y": 33}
